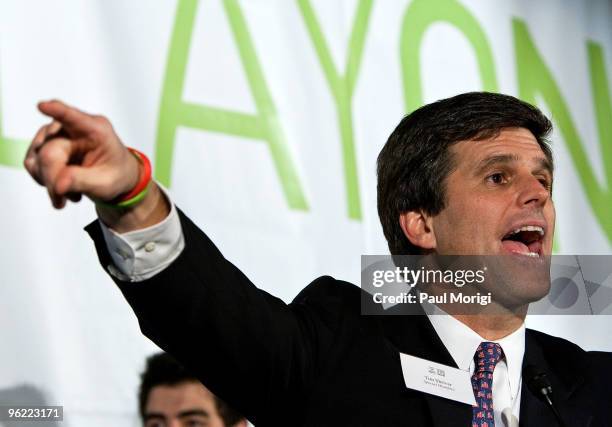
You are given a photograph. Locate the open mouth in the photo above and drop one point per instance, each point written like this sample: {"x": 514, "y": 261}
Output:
{"x": 525, "y": 240}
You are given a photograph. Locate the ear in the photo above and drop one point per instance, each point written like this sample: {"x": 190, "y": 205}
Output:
{"x": 418, "y": 229}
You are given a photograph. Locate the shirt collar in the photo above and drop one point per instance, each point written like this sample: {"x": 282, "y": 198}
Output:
{"x": 462, "y": 342}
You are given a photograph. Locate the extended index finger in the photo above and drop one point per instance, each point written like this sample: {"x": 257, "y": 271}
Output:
{"x": 72, "y": 118}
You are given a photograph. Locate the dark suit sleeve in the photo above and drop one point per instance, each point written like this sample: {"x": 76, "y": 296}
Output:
{"x": 249, "y": 347}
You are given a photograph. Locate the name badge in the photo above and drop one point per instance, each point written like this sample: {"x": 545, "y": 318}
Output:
{"x": 437, "y": 379}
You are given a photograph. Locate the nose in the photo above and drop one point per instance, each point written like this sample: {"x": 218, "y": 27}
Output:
{"x": 532, "y": 192}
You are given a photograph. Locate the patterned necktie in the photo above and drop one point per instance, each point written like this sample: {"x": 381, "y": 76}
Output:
{"x": 486, "y": 358}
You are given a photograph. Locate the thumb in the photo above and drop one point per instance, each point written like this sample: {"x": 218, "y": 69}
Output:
{"x": 77, "y": 179}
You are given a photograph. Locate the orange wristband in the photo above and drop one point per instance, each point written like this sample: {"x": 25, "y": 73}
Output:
{"x": 144, "y": 180}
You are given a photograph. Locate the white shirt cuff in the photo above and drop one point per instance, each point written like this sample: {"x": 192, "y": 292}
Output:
{"x": 141, "y": 254}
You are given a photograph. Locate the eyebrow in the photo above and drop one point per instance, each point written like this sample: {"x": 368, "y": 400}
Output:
{"x": 544, "y": 164}
{"x": 487, "y": 162}
{"x": 193, "y": 412}
{"x": 183, "y": 414}
{"x": 154, "y": 416}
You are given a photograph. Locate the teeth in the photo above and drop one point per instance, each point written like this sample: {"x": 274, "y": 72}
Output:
{"x": 540, "y": 230}
{"x": 529, "y": 254}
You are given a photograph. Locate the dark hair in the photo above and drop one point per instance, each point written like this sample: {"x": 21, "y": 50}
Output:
{"x": 413, "y": 165}
{"x": 163, "y": 369}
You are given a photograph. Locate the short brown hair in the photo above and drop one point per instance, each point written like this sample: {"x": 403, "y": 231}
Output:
{"x": 163, "y": 369}
{"x": 414, "y": 163}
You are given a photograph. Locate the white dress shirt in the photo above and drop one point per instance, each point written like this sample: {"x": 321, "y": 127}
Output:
{"x": 141, "y": 254}
{"x": 462, "y": 342}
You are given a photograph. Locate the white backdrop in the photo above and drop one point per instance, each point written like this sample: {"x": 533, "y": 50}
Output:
{"x": 262, "y": 169}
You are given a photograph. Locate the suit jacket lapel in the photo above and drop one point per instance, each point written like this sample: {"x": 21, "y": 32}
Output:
{"x": 412, "y": 333}
{"x": 562, "y": 370}
{"x": 415, "y": 335}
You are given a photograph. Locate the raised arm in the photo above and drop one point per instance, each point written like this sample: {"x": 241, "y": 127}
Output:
{"x": 253, "y": 350}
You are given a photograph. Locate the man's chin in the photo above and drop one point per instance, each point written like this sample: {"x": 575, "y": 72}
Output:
{"x": 524, "y": 295}
{"x": 517, "y": 280}
{"x": 497, "y": 284}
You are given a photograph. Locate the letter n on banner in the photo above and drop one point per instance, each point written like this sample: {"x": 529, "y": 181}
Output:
{"x": 534, "y": 78}
{"x": 263, "y": 126}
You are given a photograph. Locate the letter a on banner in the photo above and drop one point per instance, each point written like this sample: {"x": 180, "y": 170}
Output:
{"x": 12, "y": 151}
{"x": 263, "y": 126}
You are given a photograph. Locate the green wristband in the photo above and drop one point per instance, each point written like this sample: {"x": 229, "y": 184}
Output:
{"x": 126, "y": 203}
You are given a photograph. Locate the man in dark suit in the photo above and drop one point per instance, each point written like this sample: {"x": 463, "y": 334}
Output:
{"x": 467, "y": 175}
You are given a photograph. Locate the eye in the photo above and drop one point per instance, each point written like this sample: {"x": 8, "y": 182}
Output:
{"x": 497, "y": 178}
{"x": 546, "y": 183}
